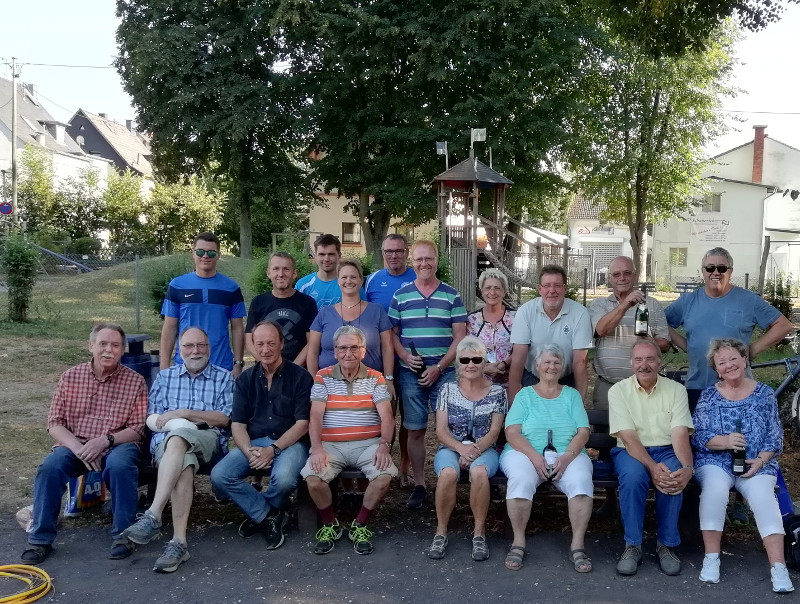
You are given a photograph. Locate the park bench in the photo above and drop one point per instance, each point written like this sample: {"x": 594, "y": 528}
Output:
{"x": 685, "y": 287}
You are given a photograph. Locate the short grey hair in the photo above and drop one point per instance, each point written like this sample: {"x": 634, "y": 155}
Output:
{"x": 646, "y": 341}
{"x": 200, "y": 329}
{"x": 493, "y": 273}
{"x": 349, "y": 330}
{"x": 472, "y": 343}
{"x": 106, "y": 325}
{"x": 718, "y": 251}
{"x": 720, "y": 343}
{"x": 550, "y": 348}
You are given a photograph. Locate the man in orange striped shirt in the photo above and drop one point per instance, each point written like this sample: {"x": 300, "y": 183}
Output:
{"x": 351, "y": 425}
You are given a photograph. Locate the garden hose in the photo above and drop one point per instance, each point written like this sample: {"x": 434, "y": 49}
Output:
{"x": 37, "y": 581}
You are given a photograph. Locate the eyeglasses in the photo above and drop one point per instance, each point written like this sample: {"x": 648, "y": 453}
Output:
{"x": 194, "y": 346}
{"x": 393, "y": 252}
{"x": 468, "y": 360}
{"x": 209, "y": 253}
{"x": 493, "y": 288}
{"x": 721, "y": 268}
{"x": 619, "y": 274}
{"x": 425, "y": 260}
{"x": 350, "y": 349}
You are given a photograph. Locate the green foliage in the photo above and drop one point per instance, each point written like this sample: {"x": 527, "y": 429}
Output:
{"x": 258, "y": 280}
{"x": 19, "y": 263}
{"x": 36, "y": 193}
{"x": 126, "y": 215}
{"x": 86, "y": 245}
{"x": 778, "y": 292}
{"x": 158, "y": 276}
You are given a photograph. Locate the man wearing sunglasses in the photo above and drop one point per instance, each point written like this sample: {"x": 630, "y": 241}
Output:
{"x": 720, "y": 310}
{"x": 209, "y": 300}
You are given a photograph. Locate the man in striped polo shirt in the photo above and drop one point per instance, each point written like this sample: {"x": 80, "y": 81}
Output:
{"x": 351, "y": 425}
{"x": 429, "y": 315}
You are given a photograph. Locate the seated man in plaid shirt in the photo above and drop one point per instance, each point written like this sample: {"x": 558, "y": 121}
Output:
{"x": 97, "y": 421}
{"x": 351, "y": 424}
{"x": 197, "y": 394}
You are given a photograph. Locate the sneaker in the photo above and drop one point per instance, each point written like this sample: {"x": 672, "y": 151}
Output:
{"x": 121, "y": 548}
{"x": 781, "y": 583}
{"x": 417, "y": 498}
{"x": 480, "y": 549}
{"x": 273, "y": 530}
{"x": 36, "y": 554}
{"x": 248, "y": 528}
{"x": 710, "y": 572}
{"x": 436, "y": 550}
{"x": 361, "y": 537}
{"x": 630, "y": 560}
{"x": 146, "y": 528}
{"x": 670, "y": 564}
{"x": 175, "y": 553}
{"x": 739, "y": 513}
{"x": 326, "y": 536}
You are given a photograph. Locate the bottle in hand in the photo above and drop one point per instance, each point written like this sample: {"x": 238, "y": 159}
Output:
{"x": 422, "y": 368}
{"x": 550, "y": 453}
{"x": 642, "y": 316}
{"x": 738, "y": 456}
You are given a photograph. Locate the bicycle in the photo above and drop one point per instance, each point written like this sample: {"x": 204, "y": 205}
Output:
{"x": 792, "y": 373}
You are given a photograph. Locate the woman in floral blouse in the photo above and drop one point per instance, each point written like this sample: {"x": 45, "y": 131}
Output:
{"x": 492, "y": 325}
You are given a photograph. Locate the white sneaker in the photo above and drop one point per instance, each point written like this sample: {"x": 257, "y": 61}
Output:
{"x": 710, "y": 572}
{"x": 781, "y": 583}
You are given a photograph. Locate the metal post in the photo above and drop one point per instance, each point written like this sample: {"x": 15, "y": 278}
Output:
{"x": 747, "y": 280}
{"x": 538, "y": 255}
{"x": 585, "y": 283}
{"x": 14, "y": 171}
{"x": 566, "y": 254}
{"x": 138, "y": 300}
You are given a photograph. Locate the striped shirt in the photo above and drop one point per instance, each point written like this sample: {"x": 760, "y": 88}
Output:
{"x": 428, "y": 322}
{"x": 351, "y": 411}
{"x": 174, "y": 388}
{"x": 89, "y": 407}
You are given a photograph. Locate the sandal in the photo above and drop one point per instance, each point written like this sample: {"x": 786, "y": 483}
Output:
{"x": 514, "y": 557}
{"x": 480, "y": 550}
{"x": 407, "y": 480}
{"x": 582, "y": 562}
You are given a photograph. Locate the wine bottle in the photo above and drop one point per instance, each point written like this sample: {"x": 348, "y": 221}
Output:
{"x": 642, "y": 316}
{"x": 738, "y": 456}
{"x": 550, "y": 453}
{"x": 422, "y": 369}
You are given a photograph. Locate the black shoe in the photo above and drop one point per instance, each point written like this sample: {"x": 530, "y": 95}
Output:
{"x": 36, "y": 554}
{"x": 121, "y": 548}
{"x": 273, "y": 530}
{"x": 417, "y": 498}
{"x": 248, "y": 528}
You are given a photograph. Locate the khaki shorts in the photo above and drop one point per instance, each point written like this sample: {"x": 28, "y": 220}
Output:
{"x": 203, "y": 445}
{"x": 349, "y": 454}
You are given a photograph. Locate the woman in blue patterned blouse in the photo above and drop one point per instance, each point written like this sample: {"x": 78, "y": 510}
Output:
{"x": 738, "y": 400}
{"x": 469, "y": 417}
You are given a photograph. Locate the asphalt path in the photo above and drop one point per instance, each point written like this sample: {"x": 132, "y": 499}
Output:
{"x": 226, "y": 568}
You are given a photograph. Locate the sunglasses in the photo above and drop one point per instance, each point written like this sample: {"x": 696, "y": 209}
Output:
{"x": 209, "y": 253}
{"x": 468, "y": 360}
{"x": 721, "y": 268}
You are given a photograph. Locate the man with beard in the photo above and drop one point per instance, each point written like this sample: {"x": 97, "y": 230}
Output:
{"x": 198, "y": 395}
{"x": 293, "y": 310}
{"x": 649, "y": 416}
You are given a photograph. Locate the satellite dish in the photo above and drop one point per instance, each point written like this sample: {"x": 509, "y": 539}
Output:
{"x": 79, "y": 139}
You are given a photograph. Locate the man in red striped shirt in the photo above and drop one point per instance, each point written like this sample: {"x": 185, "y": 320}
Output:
{"x": 351, "y": 425}
{"x": 97, "y": 422}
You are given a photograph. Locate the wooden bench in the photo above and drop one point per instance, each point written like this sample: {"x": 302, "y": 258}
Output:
{"x": 685, "y": 287}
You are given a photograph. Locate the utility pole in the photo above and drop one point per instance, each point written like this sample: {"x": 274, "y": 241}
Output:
{"x": 14, "y": 172}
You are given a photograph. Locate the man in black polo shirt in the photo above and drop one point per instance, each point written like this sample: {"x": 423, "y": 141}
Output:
{"x": 269, "y": 423}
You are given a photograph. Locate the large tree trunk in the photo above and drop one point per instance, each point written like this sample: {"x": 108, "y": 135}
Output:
{"x": 374, "y": 221}
{"x": 245, "y": 231}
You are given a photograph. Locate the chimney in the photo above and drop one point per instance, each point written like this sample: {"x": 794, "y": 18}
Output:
{"x": 103, "y": 115}
{"x": 129, "y": 125}
{"x": 758, "y": 153}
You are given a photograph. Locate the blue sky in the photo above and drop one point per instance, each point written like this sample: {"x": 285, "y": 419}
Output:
{"x": 83, "y": 33}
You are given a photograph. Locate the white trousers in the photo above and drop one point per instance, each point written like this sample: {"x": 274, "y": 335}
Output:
{"x": 523, "y": 479}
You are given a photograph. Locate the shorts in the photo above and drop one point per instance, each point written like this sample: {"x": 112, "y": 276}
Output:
{"x": 203, "y": 446}
{"x": 349, "y": 454}
{"x": 447, "y": 458}
{"x": 419, "y": 401}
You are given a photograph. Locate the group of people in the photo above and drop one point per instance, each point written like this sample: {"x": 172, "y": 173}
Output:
{"x": 336, "y": 357}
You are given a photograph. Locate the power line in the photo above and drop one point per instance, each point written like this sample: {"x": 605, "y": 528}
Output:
{"x": 759, "y": 112}
{"x": 72, "y": 66}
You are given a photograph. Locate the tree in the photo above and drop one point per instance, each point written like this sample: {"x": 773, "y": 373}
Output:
{"x": 19, "y": 261}
{"x": 126, "y": 214}
{"x": 36, "y": 192}
{"x": 644, "y": 129}
{"x": 79, "y": 208}
{"x": 206, "y": 83}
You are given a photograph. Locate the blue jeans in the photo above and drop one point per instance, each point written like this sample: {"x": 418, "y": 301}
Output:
{"x": 120, "y": 474}
{"x": 634, "y": 484}
{"x": 419, "y": 401}
{"x": 227, "y": 478}
{"x": 447, "y": 458}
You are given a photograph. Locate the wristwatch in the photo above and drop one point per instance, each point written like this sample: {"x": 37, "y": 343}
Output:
{"x": 276, "y": 449}
{"x": 238, "y": 363}
{"x": 388, "y": 378}
{"x": 111, "y": 440}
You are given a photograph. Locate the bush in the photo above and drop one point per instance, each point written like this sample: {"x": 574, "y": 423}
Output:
{"x": 87, "y": 245}
{"x": 159, "y": 274}
{"x": 19, "y": 261}
{"x": 778, "y": 292}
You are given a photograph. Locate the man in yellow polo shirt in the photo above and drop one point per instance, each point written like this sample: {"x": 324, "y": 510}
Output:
{"x": 650, "y": 417}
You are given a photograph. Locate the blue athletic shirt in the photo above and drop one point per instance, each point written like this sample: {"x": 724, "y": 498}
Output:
{"x": 381, "y": 285}
{"x": 325, "y": 293}
{"x": 209, "y": 303}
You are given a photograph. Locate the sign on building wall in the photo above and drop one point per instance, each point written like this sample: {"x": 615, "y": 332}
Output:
{"x": 709, "y": 229}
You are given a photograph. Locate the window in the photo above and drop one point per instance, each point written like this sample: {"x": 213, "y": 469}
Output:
{"x": 351, "y": 232}
{"x": 711, "y": 202}
{"x": 677, "y": 256}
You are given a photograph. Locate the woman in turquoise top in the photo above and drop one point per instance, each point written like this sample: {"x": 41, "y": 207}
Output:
{"x": 536, "y": 410}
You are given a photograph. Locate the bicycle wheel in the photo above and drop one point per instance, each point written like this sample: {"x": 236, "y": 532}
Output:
{"x": 796, "y": 412}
